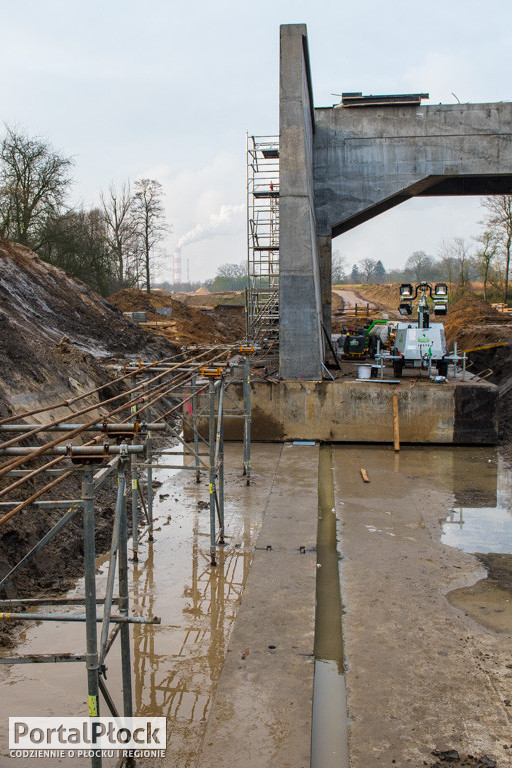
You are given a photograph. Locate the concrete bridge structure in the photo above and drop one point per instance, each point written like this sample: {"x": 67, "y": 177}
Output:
{"x": 340, "y": 166}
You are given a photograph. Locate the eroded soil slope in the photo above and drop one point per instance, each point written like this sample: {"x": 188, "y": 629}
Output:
{"x": 185, "y": 324}
{"x": 55, "y": 332}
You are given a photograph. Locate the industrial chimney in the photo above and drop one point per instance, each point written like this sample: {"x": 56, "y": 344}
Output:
{"x": 177, "y": 266}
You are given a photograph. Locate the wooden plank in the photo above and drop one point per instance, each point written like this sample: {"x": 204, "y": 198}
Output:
{"x": 364, "y": 475}
{"x": 396, "y": 432}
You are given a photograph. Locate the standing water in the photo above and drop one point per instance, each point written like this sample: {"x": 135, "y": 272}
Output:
{"x": 176, "y": 665}
{"x": 329, "y": 743}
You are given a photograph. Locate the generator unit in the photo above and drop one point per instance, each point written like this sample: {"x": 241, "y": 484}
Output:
{"x": 353, "y": 344}
{"x": 421, "y": 344}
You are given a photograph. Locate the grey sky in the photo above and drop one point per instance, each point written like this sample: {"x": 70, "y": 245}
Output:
{"x": 167, "y": 90}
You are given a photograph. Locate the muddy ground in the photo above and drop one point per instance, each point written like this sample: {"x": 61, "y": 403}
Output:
{"x": 186, "y": 324}
{"x": 56, "y": 337}
{"x": 424, "y": 675}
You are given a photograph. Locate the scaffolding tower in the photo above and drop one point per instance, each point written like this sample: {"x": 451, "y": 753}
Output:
{"x": 263, "y": 241}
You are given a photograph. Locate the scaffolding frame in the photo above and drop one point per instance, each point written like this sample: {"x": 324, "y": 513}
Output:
{"x": 128, "y": 460}
{"x": 262, "y": 302}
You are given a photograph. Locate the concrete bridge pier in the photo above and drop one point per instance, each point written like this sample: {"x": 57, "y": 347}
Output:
{"x": 340, "y": 166}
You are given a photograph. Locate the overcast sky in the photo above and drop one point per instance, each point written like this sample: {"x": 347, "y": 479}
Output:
{"x": 167, "y": 90}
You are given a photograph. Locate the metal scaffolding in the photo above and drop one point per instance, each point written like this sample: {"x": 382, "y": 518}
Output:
{"x": 165, "y": 389}
{"x": 263, "y": 241}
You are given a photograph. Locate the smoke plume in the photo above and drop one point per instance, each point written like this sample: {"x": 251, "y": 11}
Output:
{"x": 218, "y": 224}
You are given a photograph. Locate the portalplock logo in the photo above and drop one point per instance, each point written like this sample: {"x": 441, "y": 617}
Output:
{"x": 76, "y": 734}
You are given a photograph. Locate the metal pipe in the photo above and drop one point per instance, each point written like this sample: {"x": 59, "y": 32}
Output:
{"x": 135, "y": 501}
{"x": 75, "y": 450}
{"x": 196, "y": 435}
{"x": 72, "y": 400}
{"x": 90, "y": 600}
{"x": 109, "y": 590}
{"x": 103, "y": 427}
{"x": 77, "y": 617}
{"x": 211, "y": 433}
{"x": 126, "y": 667}
{"x": 149, "y": 458}
{"x": 220, "y": 426}
{"x": 247, "y": 418}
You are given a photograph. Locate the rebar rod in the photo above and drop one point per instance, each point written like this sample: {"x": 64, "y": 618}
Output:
{"x": 86, "y": 410}
{"x": 114, "y": 428}
{"x": 70, "y": 401}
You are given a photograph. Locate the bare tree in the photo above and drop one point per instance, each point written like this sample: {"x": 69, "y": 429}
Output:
{"x": 456, "y": 263}
{"x": 149, "y": 219}
{"x": 339, "y": 268}
{"x": 486, "y": 254}
{"x": 499, "y": 220}
{"x": 34, "y": 181}
{"x": 368, "y": 269}
{"x": 118, "y": 213}
{"x": 420, "y": 264}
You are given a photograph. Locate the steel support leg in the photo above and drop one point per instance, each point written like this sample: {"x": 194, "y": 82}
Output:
{"x": 247, "y": 418}
{"x": 211, "y": 435}
{"x": 126, "y": 667}
{"x": 149, "y": 458}
{"x": 90, "y": 601}
{"x": 196, "y": 434}
{"x": 135, "y": 491}
{"x": 220, "y": 431}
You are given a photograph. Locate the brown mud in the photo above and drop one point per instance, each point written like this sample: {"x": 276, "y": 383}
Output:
{"x": 489, "y": 601}
{"x": 186, "y": 324}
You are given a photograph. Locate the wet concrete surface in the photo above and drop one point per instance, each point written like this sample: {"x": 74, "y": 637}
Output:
{"x": 176, "y": 665}
{"x": 421, "y": 674}
{"x": 232, "y": 668}
{"x": 261, "y": 715}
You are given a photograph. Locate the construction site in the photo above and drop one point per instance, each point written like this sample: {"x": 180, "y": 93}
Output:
{"x": 281, "y": 520}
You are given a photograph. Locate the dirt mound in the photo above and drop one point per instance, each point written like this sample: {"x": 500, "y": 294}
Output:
{"x": 209, "y": 299}
{"x": 185, "y": 324}
{"x": 472, "y": 322}
{"x": 55, "y": 331}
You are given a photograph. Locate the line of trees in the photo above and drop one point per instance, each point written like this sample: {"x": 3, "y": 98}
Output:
{"x": 486, "y": 258}
{"x": 111, "y": 246}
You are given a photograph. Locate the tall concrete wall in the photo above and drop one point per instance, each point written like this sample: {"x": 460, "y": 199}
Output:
{"x": 341, "y": 166}
{"x": 300, "y": 305}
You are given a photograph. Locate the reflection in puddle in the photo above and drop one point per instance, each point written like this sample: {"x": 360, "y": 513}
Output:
{"x": 177, "y": 664}
{"x": 484, "y": 529}
{"x": 329, "y": 737}
{"x": 482, "y": 519}
{"x": 489, "y": 601}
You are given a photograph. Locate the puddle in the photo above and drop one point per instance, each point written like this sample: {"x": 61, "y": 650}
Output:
{"x": 479, "y": 529}
{"x": 475, "y": 526}
{"x": 489, "y": 601}
{"x": 481, "y": 519}
{"x": 176, "y": 665}
{"x": 329, "y": 742}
